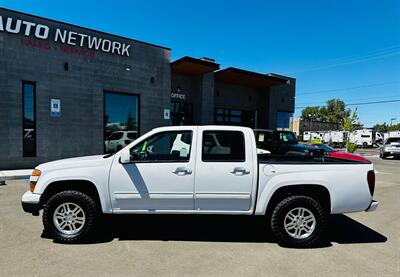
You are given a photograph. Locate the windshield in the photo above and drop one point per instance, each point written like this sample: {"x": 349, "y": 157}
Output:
{"x": 390, "y": 140}
{"x": 325, "y": 147}
{"x": 287, "y": 137}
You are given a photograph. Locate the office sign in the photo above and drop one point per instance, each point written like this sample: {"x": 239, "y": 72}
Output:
{"x": 63, "y": 36}
{"x": 55, "y": 107}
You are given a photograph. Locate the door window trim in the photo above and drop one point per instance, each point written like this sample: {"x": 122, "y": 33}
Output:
{"x": 223, "y": 160}
{"x": 166, "y": 161}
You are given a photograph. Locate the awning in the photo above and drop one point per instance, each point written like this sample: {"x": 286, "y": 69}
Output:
{"x": 192, "y": 66}
{"x": 246, "y": 78}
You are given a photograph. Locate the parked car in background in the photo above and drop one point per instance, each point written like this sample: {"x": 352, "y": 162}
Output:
{"x": 284, "y": 143}
{"x": 340, "y": 154}
{"x": 391, "y": 147}
{"x": 118, "y": 140}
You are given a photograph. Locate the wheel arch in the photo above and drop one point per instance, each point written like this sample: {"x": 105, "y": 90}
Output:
{"x": 84, "y": 186}
{"x": 319, "y": 193}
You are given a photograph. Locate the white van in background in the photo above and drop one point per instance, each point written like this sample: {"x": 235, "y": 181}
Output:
{"x": 364, "y": 137}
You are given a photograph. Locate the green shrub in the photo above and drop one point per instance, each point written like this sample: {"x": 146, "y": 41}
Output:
{"x": 351, "y": 147}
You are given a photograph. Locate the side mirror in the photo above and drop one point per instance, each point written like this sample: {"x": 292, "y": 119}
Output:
{"x": 125, "y": 156}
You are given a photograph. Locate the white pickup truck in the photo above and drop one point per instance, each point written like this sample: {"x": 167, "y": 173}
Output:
{"x": 199, "y": 170}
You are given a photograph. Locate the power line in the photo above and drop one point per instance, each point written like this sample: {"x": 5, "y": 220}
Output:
{"x": 375, "y": 102}
{"x": 352, "y": 99}
{"x": 372, "y": 55}
{"x": 362, "y": 103}
{"x": 349, "y": 88}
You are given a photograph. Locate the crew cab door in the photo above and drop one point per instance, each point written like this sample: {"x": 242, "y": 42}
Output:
{"x": 225, "y": 170}
{"x": 160, "y": 175}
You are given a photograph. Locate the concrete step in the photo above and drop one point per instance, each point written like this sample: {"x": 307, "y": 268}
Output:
{"x": 14, "y": 174}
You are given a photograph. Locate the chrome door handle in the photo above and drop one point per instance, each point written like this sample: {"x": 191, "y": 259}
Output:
{"x": 239, "y": 171}
{"x": 182, "y": 171}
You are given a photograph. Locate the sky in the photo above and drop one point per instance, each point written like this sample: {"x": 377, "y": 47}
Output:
{"x": 335, "y": 49}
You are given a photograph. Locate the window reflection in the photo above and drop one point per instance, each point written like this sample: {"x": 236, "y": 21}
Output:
{"x": 283, "y": 120}
{"x": 181, "y": 113}
{"x": 121, "y": 119}
{"x": 234, "y": 117}
{"x": 29, "y": 122}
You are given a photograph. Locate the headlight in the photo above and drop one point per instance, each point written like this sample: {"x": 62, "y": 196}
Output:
{"x": 34, "y": 177}
{"x": 36, "y": 172}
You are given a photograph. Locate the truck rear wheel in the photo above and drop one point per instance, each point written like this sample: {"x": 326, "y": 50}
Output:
{"x": 298, "y": 221}
{"x": 69, "y": 216}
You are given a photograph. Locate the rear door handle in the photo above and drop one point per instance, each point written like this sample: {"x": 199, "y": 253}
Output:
{"x": 181, "y": 171}
{"x": 239, "y": 171}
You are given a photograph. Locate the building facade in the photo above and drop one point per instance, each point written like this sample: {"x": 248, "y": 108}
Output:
{"x": 299, "y": 126}
{"x": 70, "y": 91}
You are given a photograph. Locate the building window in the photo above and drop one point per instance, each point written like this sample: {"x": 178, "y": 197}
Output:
{"x": 29, "y": 119}
{"x": 181, "y": 114}
{"x": 234, "y": 117}
{"x": 283, "y": 120}
{"x": 223, "y": 146}
{"x": 121, "y": 120}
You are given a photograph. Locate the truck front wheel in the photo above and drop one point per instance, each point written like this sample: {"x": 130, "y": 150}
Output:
{"x": 69, "y": 216}
{"x": 298, "y": 221}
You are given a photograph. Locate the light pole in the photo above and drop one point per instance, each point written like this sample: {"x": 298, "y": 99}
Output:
{"x": 310, "y": 118}
{"x": 391, "y": 121}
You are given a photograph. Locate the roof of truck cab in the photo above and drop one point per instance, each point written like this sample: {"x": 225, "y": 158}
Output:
{"x": 186, "y": 127}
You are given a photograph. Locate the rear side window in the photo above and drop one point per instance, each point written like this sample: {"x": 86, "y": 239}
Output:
{"x": 223, "y": 146}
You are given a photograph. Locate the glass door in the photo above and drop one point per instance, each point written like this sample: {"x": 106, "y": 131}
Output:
{"x": 181, "y": 114}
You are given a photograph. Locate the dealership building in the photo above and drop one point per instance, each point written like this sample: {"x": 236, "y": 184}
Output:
{"x": 67, "y": 91}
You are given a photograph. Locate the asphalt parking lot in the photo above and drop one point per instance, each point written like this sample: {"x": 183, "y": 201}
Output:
{"x": 366, "y": 244}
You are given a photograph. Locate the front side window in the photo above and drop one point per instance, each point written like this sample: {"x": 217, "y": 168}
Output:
{"x": 29, "y": 119}
{"x": 223, "y": 146}
{"x": 166, "y": 146}
{"x": 287, "y": 137}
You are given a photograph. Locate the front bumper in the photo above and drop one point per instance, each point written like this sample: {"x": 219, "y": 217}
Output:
{"x": 391, "y": 151}
{"x": 31, "y": 203}
{"x": 373, "y": 206}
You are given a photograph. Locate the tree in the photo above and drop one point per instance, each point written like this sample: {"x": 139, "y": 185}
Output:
{"x": 350, "y": 123}
{"x": 383, "y": 128}
{"x": 335, "y": 111}
{"x": 311, "y": 113}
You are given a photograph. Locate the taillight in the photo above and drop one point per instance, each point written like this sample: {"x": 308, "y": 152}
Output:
{"x": 371, "y": 181}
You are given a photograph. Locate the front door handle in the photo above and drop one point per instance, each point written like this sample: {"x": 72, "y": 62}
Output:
{"x": 181, "y": 171}
{"x": 239, "y": 171}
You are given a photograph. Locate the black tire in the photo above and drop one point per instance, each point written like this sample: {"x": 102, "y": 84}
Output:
{"x": 384, "y": 156}
{"x": 85, "y": 202}
{"x": 288, "y": 204}
{"x": 365, "y": 145}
